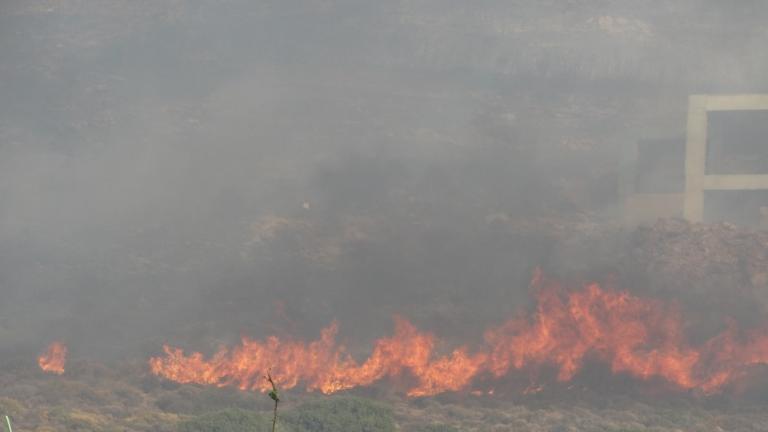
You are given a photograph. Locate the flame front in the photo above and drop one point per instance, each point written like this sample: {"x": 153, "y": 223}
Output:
{"x": 54, "y": 358}
{"x": 640, "y": 337}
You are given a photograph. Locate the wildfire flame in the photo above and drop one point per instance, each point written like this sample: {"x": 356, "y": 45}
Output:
{"x": 636, "y": 336}
{"x": 54, "y": 358}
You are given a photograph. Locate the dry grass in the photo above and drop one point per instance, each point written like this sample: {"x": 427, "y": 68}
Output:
{"x": 89, "y": 401}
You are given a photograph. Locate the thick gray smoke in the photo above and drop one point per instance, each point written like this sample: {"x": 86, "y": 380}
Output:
{"x": 185, "y": 171}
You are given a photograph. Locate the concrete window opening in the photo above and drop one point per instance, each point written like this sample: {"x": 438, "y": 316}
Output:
{"x": 653, "y": 180}
{"x": 737, "y": 142}
{"x": 726, "y": 151}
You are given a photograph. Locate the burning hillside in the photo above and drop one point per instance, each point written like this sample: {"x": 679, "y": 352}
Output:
{"x": 644, "y": 338}
{"x": 588, "y": 356}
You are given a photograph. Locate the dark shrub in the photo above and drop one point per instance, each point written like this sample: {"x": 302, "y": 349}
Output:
{"x": 191, "y": 399}
{"x": 228, "y": 420}
{"x": 435, "y": 428}
{"x": 344, "y": 414}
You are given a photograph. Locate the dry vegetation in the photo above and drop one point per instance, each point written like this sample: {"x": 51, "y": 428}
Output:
{"x": 124, "y": 397}
{"x": 94, "y": 398}
{"x": 515, "y": 83}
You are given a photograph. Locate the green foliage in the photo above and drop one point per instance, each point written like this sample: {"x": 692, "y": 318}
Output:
{"x": 345, "y": 414}
{"x": 273, "y": 395}
{"x": 435, "y": 427}
{"x": 76, "y": 420}
{"x": 126, "y": 395}
{"x": 55, "y": 391}
{"x": 228, "y": 420}
{"x": 628, "y": 430}
{"x": 11, "y": 408}
{"x": 152, "y": 421}
{"x": 191, "y": 399}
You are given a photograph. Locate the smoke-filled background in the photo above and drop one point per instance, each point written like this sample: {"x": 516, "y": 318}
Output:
{"x": 193, "y": 170}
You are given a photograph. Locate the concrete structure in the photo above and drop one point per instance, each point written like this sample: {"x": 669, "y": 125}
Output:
{"x": 697, "y": 180}
{"x": 653, "y": 184}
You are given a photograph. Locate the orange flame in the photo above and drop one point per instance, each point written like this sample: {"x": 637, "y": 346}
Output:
{"x": 640, "y": 337}
{"x": 54, "y": 358}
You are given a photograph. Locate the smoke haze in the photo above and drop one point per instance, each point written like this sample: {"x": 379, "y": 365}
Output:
{"x": 194, "y": 170}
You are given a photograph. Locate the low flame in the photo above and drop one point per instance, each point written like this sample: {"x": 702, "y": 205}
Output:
{"x": 640, "y": 337}
{"x": 54, "y": 358}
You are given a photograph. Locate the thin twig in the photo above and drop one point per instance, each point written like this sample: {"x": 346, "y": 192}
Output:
{"x": 273, "y": 394}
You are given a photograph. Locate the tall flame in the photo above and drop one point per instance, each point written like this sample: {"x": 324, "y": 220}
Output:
{"x": 640, "y": 337}
{"x": 54, "y": 358}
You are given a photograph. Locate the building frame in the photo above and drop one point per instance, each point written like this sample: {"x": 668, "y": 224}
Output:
{"x": 697, "y": 181}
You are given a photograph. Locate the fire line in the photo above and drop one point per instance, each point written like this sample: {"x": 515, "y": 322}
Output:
{"x": 640, "y": 337}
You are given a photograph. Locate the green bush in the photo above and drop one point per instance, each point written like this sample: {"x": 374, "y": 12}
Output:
{"x": 228, "y": 420}
{"x": 55, "y": 391}
{"x": 435, "y": 428}
{"x": 76, "y": 420}
{"x": 191, "y": 399}
{"x": 151, "y": 421}
{"x": 11, "y": 408}
{"x": 345, "y": 414}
